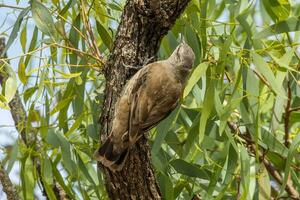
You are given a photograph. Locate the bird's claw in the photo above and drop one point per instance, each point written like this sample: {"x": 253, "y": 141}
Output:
{"x": 149, "y": 60}
{"x": 132, "y": 67}
{"x": 138, "y": 67}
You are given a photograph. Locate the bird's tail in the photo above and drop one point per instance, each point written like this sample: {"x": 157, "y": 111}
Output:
{"x": 109, "y": 158}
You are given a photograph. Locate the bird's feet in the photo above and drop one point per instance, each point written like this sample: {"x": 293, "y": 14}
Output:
{"x": 149, "y": 60}
{"x": 132, "y": 67}
{"x": 138, "y": 67}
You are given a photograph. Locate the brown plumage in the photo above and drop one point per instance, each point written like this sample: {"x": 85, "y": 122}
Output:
{"x": 148, "y": 97}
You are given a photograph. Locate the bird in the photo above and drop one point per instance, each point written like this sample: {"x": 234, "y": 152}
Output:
{"x": 149, "y": 96}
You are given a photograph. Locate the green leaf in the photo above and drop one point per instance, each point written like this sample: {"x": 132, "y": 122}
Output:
{"x": 83, "y": 168}
{"x": 32, "y": 45}
{"x": 60, "y": 105}
{"x": 75, "y": 125}
{"x": 61, "y": 182}
{"x": 273, "y": 144}
{"x": 277, "y": 9}
{"x": 41, "y": 85}
{"x": 21, "y": 71}
{"x": 10, "y": 88}
{"x": 106, "y": 38}
{"x": 285, "y": 60}
{"x": 289, "y": 160}
{"x": 264, "y": 184}
{"x": 43, "y": 19}
{"x": 65, "y": 75}
{"x": 193, "y": 134}
{"x": 49, "y": 190}
{"x": 245, "y": 171}
{"x": 207, "y": 108}
{"x": 193, "y": 41}
{"x": 14, "y": 32}
{"x": 291, "y": 24}
{"x": 71, "y": 3}
{"x": 231, "y": 164}
{"x": 47, "y": 176}
{"x": 265, "y": 70}
{"x": 11, "y": 83}
{"x": 12, "y": 157}
{"x": 66, "y": 154}
{"x": 294, "y": 117}
{"x": 217, "y": 171}
{"x": 115, "y": 6}
{"x": 47, "y": 170}
{"x": 23, "y": 38}
{"x": 197, "y": 73}
{"x": 242, "y": 18}
{"x": 162, "y": 130}
{"x": 74, "y": 36}
{"x": 179, "y": 187}
{"x": 28, "y": 93}
{"x": 166, "y": 186}
{"x": 28, "y": 181}
{"x": 202, "y": 28}
{"x": 52, "y": 138}
{"x": 189, "y": 169}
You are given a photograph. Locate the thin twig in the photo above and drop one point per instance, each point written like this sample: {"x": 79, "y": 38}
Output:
{"x": 287, "y": 117}
{"x": 263, "y": 79}
{"x": 294, "y": 109}
{"x": 77, "y": 51}
{"x": 90, "y": 32}
{"x": 9, "y": 6}
{"x": 238, "y": 180}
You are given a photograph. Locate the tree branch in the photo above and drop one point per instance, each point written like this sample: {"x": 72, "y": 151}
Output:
{"x": 287, "y": 117}
{"x": 289, "y": 188}
{"x": 8, "y": 187}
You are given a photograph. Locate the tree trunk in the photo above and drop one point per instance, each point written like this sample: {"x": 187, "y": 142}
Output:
{"x": 143, "y": 24}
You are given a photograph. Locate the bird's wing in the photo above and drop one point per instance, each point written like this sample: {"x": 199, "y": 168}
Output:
{"x": 138, "y": 104}
{"x": 147, "y": 108}
{"x": 154, "y": 119}
{"x": 145, "y": 115}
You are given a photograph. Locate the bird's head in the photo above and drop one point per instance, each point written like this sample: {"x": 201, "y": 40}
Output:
{"x": 183, "y": 56}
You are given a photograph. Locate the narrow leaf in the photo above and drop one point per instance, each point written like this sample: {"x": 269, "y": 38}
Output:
{"x": 265, "y": 70}
{"x": 21, "y": 71}
{"x": 106, "y": 38}
{"x": 293, "y": 148}
{"x": 291, "y": 24}
{"x": 65, "y": 75}
{"x": 188, "y": 169}
{"x": 198, "y": 72}
{"x": 43, "y": 18}
{"x": 264, "y": 184}
{"x": 61, "y": 105}
{"x": 14, "y": 32}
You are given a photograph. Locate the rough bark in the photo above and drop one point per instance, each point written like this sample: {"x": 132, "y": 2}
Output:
{"x": 8, "y": 187}
{"x": 143, "y": 24}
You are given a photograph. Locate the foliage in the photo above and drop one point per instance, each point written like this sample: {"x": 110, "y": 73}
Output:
{"x": 239, "y": 109}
